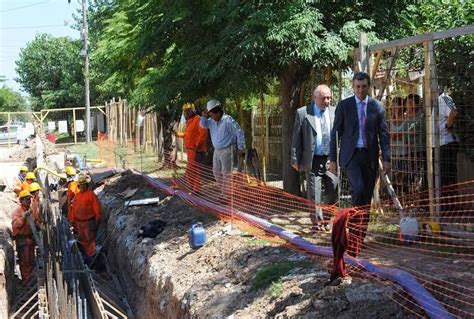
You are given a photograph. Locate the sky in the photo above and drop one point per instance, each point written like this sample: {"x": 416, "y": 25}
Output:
{"x": 21, "y": 20}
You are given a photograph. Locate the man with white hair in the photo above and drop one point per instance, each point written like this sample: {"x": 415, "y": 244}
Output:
{"x": 225, "y": 133}
{"x": 310, "y": 151}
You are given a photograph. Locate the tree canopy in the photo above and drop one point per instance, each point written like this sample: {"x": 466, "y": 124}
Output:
{"x": 164, "y": 53}
{"x": 50, "y": 70}
{"x": 11, "y": 101}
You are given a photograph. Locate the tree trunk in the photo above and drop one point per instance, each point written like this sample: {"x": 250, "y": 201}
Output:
{"x": 169, "y": 151}
{"x": 292, "y": 80}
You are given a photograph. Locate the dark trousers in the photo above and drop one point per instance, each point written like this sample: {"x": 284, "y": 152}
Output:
{"x": 361, "y": 178}
{"x": 320, "y": 188}
{"x": 448, "y": 166}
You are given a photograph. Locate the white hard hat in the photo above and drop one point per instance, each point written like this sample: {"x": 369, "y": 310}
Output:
{"x": 211, "y": 104}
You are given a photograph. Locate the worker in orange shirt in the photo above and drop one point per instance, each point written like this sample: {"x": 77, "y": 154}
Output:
{"x": 72, "y": 190}
{"x": 23, "y": 235}
{"x": 29, "y": 178}
{"x": 19, "y": 179}
{"x": 85, "y": 217}
{"x": 195, "y": 139}
{"x": 35, "y": 202}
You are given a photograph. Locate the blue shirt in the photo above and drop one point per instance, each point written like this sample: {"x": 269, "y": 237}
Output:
{"x": 360, "y": 142}
{"x": 318, "y": 148}
{"x": 224, "y": 132}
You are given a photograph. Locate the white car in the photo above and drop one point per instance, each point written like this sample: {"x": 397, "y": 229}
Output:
{"x": 14, "y": 134}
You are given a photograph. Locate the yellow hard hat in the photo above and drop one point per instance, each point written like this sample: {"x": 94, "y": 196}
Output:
{"x": 23, "y": 194}
{"x": 30, "y": 175}
{"x": 35, "y": 187}
{"x": 23, "y": 168}
{"x": 70, "y": 170}
{"x": 188, "y": 106}
{"x": 82, "y": 180}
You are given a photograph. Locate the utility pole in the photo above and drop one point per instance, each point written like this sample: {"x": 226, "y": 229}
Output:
{"x": 85, "y": 54}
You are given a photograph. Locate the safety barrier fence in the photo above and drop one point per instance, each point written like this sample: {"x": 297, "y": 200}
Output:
{"x": 434, "y": 246}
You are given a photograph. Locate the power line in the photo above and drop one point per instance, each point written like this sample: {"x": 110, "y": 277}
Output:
{"x": 27, "y": 6}
{"x": 33, "y": 27}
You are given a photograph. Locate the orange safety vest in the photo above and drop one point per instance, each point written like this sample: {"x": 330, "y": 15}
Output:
{"x": 85, "y": 207}
{"x": 17, "y": 185}
{"x": 35, "y": 209}
{"x": 26, "y": 185}
{"x": 72, "y": 190}
{"x": 20, "y": 226}
{"x": 195, "y": 137}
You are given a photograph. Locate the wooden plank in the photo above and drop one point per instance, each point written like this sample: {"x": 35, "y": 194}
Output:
{"x": 390, "y": 64}
{"x": 140, "y": 202}
{"x": 422, "y": 38}
{"x": 363, "y": 53}
{"x": 429, "y": 141}
{"x": 74, "y": 125}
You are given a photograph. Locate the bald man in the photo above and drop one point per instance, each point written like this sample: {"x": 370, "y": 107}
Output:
{"x": 310, "y": 150}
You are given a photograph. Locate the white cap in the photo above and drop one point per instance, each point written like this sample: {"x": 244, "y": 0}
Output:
{"x": 211, "y": 104}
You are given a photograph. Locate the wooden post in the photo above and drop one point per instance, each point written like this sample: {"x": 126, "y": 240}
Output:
{"x": 267, "y": 142}
{"x": 363, "y": 56}
{"x": 125, "y": 119}
{"x": 427, "y": 99}
{"x": 120, "y": 121}
{"x": 74, "y": 125}
{"x": 262, "y": 136}
{"x": 130, "y": 129}
{"x": 434, "y": 128}
{"x": 137, "y": 128}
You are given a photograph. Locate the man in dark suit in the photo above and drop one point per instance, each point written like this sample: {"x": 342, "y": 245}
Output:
{"x": 310, "y": 150}
{"x": 360, "y": 126}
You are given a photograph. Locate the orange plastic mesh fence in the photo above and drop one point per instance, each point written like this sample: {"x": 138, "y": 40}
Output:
{"x": 439, "y": 253}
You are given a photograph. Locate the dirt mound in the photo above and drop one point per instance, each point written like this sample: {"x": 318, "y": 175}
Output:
{"x": 234, "y": 274}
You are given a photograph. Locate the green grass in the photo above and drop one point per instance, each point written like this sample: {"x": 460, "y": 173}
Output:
{"x": 270, "y": 275}
{"x": 275, "y": 289}
{"x": 85, "y": 150}
{"x": 257, "y": 242}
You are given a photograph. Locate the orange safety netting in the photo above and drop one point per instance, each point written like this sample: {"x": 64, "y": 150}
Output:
{"x": 439, "y": 256}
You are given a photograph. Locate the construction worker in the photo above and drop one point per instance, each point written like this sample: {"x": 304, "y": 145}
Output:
{"x": 23, "y": 235}
{"x": 72, "y": 190}
{"x": 19, "y": 179}
{"x": 195, "y": 140}
{"x": 85, "y": 217}
{"x": 29, "y": 178}
{"x": 35, "y": 202}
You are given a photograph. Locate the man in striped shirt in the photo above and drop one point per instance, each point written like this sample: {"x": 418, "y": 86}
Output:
{"x": 225, "y": 133}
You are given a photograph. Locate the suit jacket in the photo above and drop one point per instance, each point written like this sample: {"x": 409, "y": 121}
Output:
{"x": 304, "y": 136}
{"x": 346, "y": 124}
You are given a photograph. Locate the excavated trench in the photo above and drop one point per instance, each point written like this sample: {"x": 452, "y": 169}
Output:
{"x": 165, "y": 278}
{"x": 150, "y": 291}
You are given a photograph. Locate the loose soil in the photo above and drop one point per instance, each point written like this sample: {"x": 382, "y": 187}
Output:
{"x": 234, "y": 275}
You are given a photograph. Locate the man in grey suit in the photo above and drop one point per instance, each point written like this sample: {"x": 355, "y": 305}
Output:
{"x": 310, "y": 150}
{"x": 361, "y": 127}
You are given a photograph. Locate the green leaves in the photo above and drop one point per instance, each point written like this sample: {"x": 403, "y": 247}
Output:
{"x": 50, "y": 70}
{"x": 11, "y": 101}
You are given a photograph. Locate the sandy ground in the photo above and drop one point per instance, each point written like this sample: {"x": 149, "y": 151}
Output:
{"x": 166, "y": 278}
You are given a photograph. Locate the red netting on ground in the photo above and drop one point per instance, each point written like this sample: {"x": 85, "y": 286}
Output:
{"x": 439, "y": 256}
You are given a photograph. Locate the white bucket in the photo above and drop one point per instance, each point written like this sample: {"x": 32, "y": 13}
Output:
{"x": 409, "y": 228}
